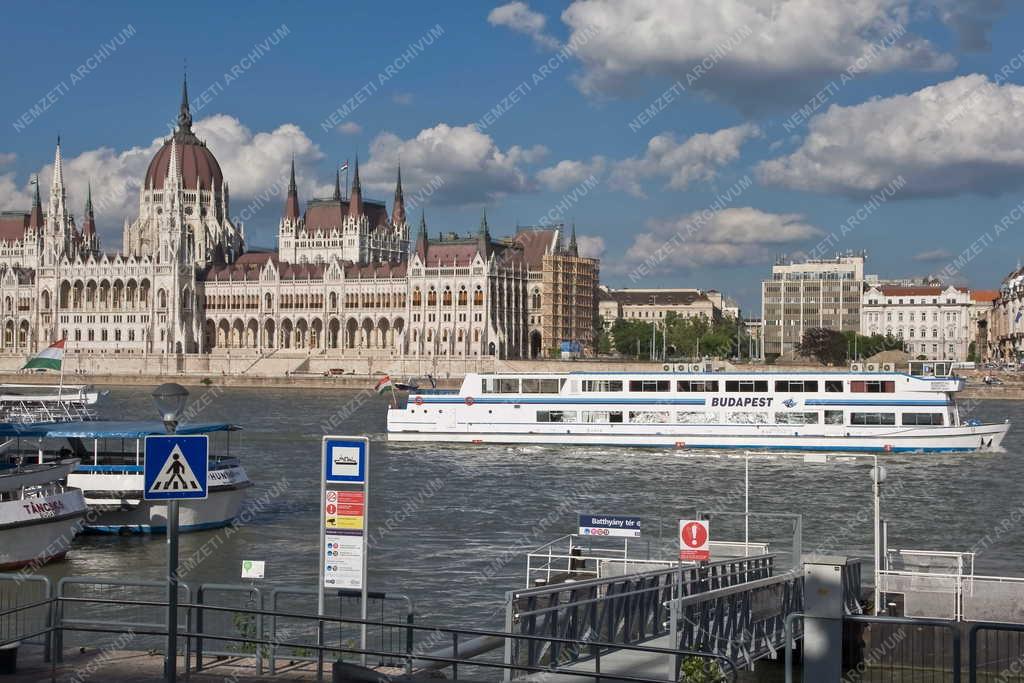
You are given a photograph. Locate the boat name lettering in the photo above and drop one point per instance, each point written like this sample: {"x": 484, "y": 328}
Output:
{"x": 741, "y": 402}
{"x": 45, "y": 508}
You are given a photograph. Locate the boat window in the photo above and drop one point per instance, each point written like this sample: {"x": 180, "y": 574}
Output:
{"x": 508, "y": 386}
{"x": 833, "y": 417}
{"x": 556, "y": 416}
{"x": 650, "y": 385}
{"x": 602, "y": 385}
{"x": 873, "y": 418}
{"x": 747, "y": 418}
{"x": 602, "y": 416}
{"x": 796, "y": 385}
{"x": 551, "y": 386}
{"x": 700, "y": 385}
{"x": 834, "y": 386}
{"x": 873, "y": 387}
{"x": 488, "y": 386}
{"x": 930, "y": 419}
{"x": 531, "y": 386}
{"x": 746, "y": 385}
{"x": 692, "y": 417}
{"x": 796, "y": 418}
{"x": 646, "y": 417}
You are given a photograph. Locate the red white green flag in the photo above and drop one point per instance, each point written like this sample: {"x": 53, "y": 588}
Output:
{"x": 384, "y": 384}
{"x": 49, "y": 358}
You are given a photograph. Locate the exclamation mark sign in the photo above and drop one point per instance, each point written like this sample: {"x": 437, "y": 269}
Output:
{"x": 693, "y": 534}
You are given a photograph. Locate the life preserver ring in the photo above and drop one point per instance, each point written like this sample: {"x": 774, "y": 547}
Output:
{"x": 469, "y": 400}
{"x": 680, "y": 444}
{"x": 887, "y": 448}
{"x": 419, "y": 400}
{"x": 666, "y": 368}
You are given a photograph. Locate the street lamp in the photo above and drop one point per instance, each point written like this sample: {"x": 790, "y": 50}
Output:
{"x": 877, "y": 477}
{"x": 170, "y": 400}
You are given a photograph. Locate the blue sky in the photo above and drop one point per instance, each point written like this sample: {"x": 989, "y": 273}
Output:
{"x": 931, "y": 98}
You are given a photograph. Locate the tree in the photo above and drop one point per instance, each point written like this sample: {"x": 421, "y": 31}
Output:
{"x": 827, "y": 346}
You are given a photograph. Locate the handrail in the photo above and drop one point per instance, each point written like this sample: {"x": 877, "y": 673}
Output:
{"x": 684, "y": 600}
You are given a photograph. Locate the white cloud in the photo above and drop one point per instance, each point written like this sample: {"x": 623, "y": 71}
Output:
{"x": 734, "y": 236}
{"x": 7, "y": 158}
{"x": 933, "y": 255}
{"x": 698, "y": 158}
{"x": 252, "y": 163}
{"x": 350, "y": 128}
{"x": 971, "y": 19}
{"x": 751, "y": 53}
{"x": 958, "y": 136}
{"x": 518, "y": 16}
{"x": 467, "y": 166}
{"x": 590, "y": 246}
{"x": 567, "y": 173}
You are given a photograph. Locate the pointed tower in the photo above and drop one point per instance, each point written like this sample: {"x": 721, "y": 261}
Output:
{"x": 89, "y": 222}
{"x": 337, "y": 185}
{"x": 355, "y": 200}
{"x": 573, "y": 249}
{"x": 58, "y": 194}
{"x": 184, "y": 112}
{"x": 398, "y": 207}
{"x": 421, "y": 237}
{"x": 291, "y": 203}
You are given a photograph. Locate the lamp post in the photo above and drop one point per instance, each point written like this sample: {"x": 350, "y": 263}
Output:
{"x": 170, "y": 400}
{"x": 877, "y": 477}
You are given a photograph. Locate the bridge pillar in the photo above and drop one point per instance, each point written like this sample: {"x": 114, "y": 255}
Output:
{"x": 823, "y": 622}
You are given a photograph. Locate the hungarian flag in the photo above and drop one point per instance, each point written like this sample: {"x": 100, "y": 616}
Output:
{"x": 49, "y": 358}
{"x": 384, "y": 384}
{"x": 344, "y": 166}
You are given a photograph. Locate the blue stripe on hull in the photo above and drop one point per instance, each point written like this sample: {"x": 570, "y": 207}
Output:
{"x": 150, "y": 529}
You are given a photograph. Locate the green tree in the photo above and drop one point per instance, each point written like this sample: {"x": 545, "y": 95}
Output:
{"x": 829, "y": 347}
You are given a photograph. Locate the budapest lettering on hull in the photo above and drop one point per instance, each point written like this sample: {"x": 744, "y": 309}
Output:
{"x": 741, "y": 402}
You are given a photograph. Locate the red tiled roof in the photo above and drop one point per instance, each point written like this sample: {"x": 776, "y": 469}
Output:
{"x": 197, "y": 164}
{"x": 535, "y": 244}
{"x": 984, "y": 295}
{"x": 895, "y": 290}
{"x": 327, "y": 214}
{"x": 457, "y": 254}
{"x": 378, "y": 270}
{"x": 12, "y": 225}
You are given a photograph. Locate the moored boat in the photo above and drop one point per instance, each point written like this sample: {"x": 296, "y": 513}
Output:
{"x": 39, "y": 513}
{"x": 857, "y": 411}
{"x": 111, "y": 472}
{"x": 48, "y": 402}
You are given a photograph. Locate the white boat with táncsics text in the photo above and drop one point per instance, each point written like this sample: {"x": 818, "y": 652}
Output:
{"x": 872, "y": 412}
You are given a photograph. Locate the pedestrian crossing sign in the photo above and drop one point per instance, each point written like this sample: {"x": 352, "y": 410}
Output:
{"x": 176, "y": 467}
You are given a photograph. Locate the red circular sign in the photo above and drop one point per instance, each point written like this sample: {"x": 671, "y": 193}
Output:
{"x": 419, "y": 400}
{"x": 469, "y": 400}
{"x": 694, "y": 535}
{"x": 332, "y": 496}
{"x": 331, "y": 508}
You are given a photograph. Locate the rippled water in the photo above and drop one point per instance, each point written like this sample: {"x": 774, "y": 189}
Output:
{"x": 490, "y": 502}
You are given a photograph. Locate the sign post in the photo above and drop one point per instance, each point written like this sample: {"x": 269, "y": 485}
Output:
{"x": 344, "y": 507}
{"x": 694, "y": 540}
{"x": 176, "y": 467}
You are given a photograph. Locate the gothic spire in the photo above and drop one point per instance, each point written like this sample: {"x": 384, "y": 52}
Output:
{"x": 398, "y": 208}
{"x": 573, "y": 249}
{"x": 57, "y": 186}
{"x": 484, "y": 229}
{"x": 35, "y": 219}
{"x": 337, "y": 185}
{"x": 184, "y": 114}
{"x": 421, "y": 237}
{"x": 291, "y": 204}
{"x": 355, "y": 200}
{"x": 89, "y": 225}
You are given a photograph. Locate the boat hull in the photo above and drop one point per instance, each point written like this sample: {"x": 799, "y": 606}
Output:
{"x": 931, "y": 440}
{"x": 34, "y": 531}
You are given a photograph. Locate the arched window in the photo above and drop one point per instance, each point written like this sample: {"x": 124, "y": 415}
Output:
{"x": 447, "y": 298}
{"x": 478, "y": 296}
{"x": 431, "y": 297}
{"x": 463, "y": 296}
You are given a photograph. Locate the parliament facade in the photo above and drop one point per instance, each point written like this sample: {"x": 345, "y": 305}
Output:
{"x": 348, "y": 277}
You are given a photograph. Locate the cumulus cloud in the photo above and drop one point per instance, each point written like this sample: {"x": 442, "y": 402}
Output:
{"x": 464, "y": 165}
{"x": 567, "y": 173}
{"x": 350, "y": 128}
{"x": 750, "y": 53}
{"x": 518, "y": 17}
{"x": 731, "y": 237}
{"x": 971, "y": 20}
{"x": 956, "y": 137}
{"x": 933, "y": 255}
{"x": 698, "y": 158}
{"x": 253, "y": 163}
{"x": 590, "y": 245}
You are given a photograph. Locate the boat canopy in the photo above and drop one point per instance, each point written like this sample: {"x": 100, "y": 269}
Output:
{"x": 104, "y": 429}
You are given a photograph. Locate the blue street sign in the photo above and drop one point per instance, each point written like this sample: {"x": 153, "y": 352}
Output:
{"x": 176, "y": 467}
{"x": 344, "y": 460}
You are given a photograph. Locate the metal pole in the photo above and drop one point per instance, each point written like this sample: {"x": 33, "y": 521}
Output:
{"x": 877, "y": 501}
{"x": 171, "y": 664}
{"x": 746, "y": 506}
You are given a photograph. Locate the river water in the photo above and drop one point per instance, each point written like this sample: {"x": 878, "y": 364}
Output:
{"x": 472, "y": 512}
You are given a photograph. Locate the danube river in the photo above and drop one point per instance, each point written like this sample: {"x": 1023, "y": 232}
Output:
{"x": 451, "y": 525}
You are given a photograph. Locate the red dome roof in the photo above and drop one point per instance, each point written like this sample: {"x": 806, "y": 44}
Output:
{"x": 195, "y": 159}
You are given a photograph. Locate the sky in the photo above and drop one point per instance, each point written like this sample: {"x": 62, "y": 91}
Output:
{"x": 691, "y": 142}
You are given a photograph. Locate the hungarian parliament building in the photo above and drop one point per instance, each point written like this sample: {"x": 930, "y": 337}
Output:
{"x": 347, "y": 279}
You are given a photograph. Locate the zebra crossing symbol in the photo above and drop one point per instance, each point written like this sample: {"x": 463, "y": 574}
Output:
{"x": 176, "y": 467}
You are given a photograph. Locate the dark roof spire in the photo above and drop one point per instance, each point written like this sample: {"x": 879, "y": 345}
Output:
{"x": 484, "y": 230}
{"x": 421, "y": 237}
{"x": 355, "y": 200}
{"x": 291, "y": 202}
{"x": 337, "y": 185}
{"x": 184, "y": 114}
{"x": 35, "y": 219}
{"x": 398, "y": 209}
{"x": 573, "y": 249}
{"x": 89, "y": 225}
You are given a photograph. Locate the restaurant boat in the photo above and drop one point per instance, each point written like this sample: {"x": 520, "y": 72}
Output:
{"x": 39, "y": 513}
{"x": 862, "y": 410}
{"x": 111, "y": 472}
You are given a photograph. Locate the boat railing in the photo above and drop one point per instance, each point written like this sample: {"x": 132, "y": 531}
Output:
{"x": 578, "y": 558}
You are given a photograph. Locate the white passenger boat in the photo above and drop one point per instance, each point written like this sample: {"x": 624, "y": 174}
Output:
{"x": 111, "y": 472}
{"x": 876, "y": 412}
{"x": 39, "y": 513}
{"x": 48, "y": 403}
